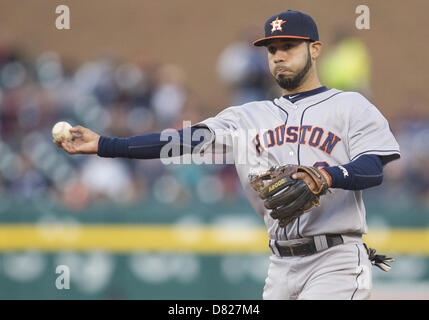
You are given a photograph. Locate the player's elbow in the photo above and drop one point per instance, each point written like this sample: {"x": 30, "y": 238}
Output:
{"x": 366, "y": 182}
{"x": 379, "y": 180}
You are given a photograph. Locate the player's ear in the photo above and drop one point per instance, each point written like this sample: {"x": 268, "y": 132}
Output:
{"x": 315, "y": 49}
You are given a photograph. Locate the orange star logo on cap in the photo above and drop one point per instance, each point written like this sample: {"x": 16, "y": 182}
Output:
{"x": 277, "y": 25}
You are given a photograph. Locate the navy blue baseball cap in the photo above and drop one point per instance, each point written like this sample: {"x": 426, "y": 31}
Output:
{"x": 289, "y": 24}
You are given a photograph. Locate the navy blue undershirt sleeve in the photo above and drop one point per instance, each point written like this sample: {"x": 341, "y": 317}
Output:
{"x": 149, "y": 146}
{"x": 362, "y": 173}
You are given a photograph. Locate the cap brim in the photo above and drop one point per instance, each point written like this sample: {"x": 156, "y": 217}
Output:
{"x": 263, "y": 41}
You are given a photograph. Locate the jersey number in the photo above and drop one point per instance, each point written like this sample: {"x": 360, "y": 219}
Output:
{"x": 320, "y": 164}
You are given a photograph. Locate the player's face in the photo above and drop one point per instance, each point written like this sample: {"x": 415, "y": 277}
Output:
{"x": 289, "y": 61}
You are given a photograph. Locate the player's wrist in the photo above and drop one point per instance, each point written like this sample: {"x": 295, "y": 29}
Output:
{"x": 326, "y": 176}
{"x": 96, "y": 143}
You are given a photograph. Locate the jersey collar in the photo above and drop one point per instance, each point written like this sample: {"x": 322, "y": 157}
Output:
{"x": 301, "y": 95}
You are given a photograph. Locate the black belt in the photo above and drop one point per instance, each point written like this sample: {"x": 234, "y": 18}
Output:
{"x": 304, "y": 246}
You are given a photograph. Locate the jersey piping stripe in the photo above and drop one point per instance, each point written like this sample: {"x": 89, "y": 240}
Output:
{"x": 284, "y": 134}
{"x": 357, "y": 283}
{"x": 299, "y": 139}
{"x": 391, "y": 151}
{"x": 368, "y": 175}
{"x": 282, "y": 110}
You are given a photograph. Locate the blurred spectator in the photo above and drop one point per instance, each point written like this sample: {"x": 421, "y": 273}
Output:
{"x": 76, "y": 196}
{"x": 28, "y": 182}
{"x": 169, "y": 96}
{"x": 107, "y": 178}
{"x": 244, "y": 69}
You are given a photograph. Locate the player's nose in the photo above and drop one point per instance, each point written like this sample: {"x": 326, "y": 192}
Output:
{"x": 279, "y": 56}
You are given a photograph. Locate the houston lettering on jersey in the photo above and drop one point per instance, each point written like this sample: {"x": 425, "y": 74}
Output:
{"x": 314, "y": 136}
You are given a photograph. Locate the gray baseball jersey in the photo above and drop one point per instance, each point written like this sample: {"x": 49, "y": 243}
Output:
{"x": 326, "y": 129}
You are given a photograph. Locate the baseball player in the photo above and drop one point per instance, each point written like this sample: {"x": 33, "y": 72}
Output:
{"x": 334, "y": 144}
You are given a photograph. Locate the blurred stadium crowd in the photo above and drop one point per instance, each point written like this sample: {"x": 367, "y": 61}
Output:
{"x": 123, "y": 98}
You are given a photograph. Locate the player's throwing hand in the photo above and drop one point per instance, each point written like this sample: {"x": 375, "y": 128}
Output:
{"x": 84, "y": 141}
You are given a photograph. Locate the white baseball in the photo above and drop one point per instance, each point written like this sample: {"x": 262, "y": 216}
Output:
{"x": 62, "y": 128}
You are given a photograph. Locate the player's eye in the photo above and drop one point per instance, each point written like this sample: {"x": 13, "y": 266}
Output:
{"x": 287, "y": 46}
{"x": 272, "y": 50}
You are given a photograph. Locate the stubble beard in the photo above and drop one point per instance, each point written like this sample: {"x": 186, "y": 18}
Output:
{"x": 291, "y": 83}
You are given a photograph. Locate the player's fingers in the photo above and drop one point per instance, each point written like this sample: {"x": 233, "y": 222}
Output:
{"x": 78, "y": 129}
{"x": 306, "y": 178}
{"x": 299, "y": 175}
{"x": 57, "y": 143}
{"x": 68, "y": 147}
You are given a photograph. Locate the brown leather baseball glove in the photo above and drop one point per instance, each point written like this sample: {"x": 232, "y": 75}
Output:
{"x": 289, "y": 198}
